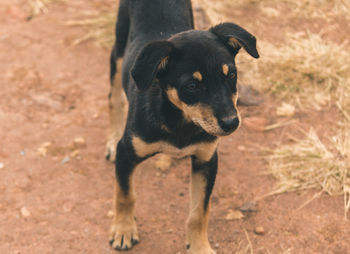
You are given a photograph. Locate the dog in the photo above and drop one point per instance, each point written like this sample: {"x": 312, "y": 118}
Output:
{"x": 179, "y": 86}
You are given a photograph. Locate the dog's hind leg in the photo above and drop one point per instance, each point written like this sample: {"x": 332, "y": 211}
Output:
{"x": 123, "y": 231}
{"x": 117, "y": 115}
{"x": 117, "y": 98}
{"x": 202, "y": 182}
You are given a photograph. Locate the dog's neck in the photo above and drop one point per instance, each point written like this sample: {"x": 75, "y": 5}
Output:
{"x": 166, "y": 121}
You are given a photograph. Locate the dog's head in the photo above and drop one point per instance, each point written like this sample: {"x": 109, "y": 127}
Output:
{"x": 196, "y": 70}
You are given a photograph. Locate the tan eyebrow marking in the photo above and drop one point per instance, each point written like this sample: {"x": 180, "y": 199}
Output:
{"x": 197, "y": 75}
{"x": 225, "y": 69}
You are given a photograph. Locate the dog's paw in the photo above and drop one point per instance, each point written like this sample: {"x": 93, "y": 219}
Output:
{"x": 200, "y": 250}
{"x": 164, "y": 162}
{"x": 123, "y": 236}
{"x": 111, "y": 149}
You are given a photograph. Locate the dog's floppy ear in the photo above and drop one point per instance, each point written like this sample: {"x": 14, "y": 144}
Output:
{"x": 153, "y": 58}
{"x": 236, "y": 37}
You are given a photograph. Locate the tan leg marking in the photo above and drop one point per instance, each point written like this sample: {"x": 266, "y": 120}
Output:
{"x": 123, "y": 232}
{"x": 197, "y": 222}
{"x": 118, "y": 107}
{"x": 225, "y": 69}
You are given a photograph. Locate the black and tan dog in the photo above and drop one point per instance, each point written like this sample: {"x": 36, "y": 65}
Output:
{"x": 181, "y": 92}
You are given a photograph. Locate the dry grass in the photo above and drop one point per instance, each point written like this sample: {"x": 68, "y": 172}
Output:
{"x": 315, "y": 8}
{"x": 310, "y": 73}
{"x": 99, "y": 28}
{"x": 310, "y": 163}
{"x": 39, "y": 6}
{"x": 301, "y": 8}
{"x": 306, "y": 71}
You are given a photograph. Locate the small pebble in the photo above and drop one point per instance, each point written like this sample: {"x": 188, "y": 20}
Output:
{"x": 248, "y": 207}
{"x": 241, "y": 148}
{"x": 25, "y": 212}
{"x": 110, "y": 214}
{"x": 79, "y": 142}
{"x": 259, "y": 230}
{"x": 42, "y": 150}
{"x": 75, "y": 153}
{"x": 65, "y": 160}
{"x": 234, "y": 215}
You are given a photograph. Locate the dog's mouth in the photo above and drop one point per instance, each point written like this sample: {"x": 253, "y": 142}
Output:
{"x": 204, "y": 117}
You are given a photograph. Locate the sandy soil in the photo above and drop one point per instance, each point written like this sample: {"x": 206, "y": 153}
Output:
{"x": 57, "y": 189}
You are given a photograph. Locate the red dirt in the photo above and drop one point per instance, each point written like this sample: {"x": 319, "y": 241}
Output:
{"x": 54, "y": 92}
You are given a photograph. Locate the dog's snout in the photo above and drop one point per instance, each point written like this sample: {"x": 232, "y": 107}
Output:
{"x": 229, "y": 124}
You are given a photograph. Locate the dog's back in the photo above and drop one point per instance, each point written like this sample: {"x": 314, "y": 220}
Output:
{"x": 142, "y": 21}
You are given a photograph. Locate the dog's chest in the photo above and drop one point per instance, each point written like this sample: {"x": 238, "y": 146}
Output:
{"x": 201, "y": 150}
{"x": 173, "y": 151}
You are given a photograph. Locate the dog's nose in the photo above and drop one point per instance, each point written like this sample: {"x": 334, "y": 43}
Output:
{"x": 229, "y": 124}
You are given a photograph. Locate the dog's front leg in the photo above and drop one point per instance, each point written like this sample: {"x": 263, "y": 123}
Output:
{"x": 202, "y": 182}
{"x": 123, "y": 231}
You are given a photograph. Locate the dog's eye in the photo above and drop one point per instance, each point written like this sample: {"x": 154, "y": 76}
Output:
{"x": 231, "y": 75}
{"x": 192, "y": 87}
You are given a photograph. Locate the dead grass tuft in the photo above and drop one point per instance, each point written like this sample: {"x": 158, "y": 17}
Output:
{"x": 310, "y": 163}
{"x": 317, "y": 8}
{"x": 99, "y": 28}
{"x": 301, "y": 8}
{"x": 306, "y": 71}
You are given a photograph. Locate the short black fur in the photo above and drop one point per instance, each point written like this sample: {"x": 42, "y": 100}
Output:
{"x": 180, "y": 83}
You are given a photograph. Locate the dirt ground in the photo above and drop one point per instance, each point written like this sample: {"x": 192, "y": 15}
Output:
{"x": 57, "y": 188}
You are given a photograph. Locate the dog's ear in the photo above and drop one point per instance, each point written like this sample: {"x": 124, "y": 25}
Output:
{"x": 152, "y": 59}
{"x": 236, "y": 37}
